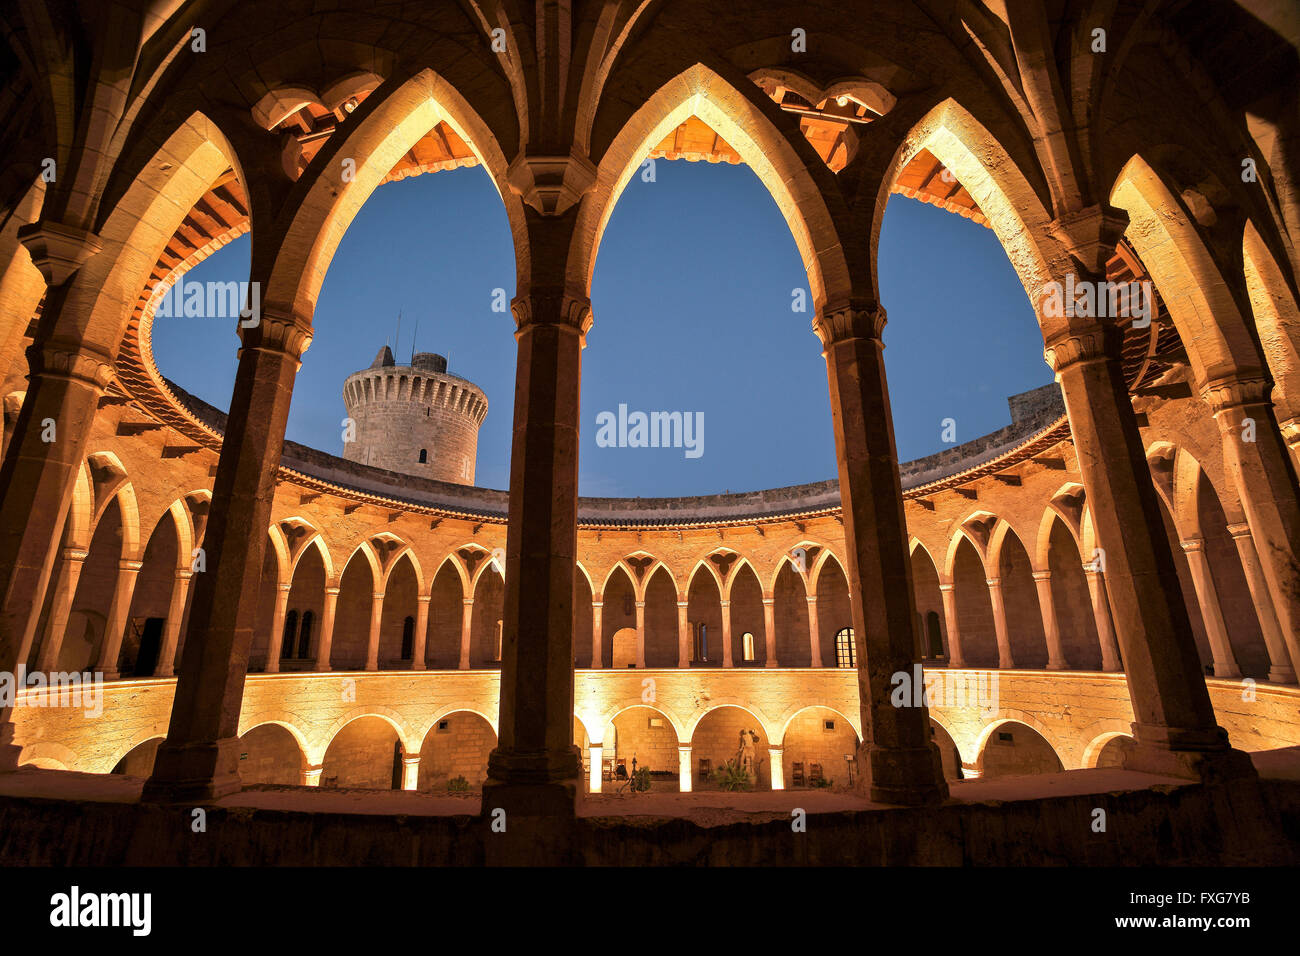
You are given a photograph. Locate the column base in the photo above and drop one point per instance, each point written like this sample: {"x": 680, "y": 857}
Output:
{"x": 902, "y": 776}
{"x": 1195, "y": 755}
{"x": 539, "y": 816}
{"x": 1281, "y": 675}
{"x": 1058, "y": 666}
{"x": 114, "y": 674}
{"x": 1226, "y": 671}
{"x": 771, "y": 664}
{"x": 194, "y": 773}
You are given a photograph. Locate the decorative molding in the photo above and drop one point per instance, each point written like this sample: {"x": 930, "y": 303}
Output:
{"x": 58, "y": 250}
{"x": 1225, "y": 393}
{"x": 1097, "y": 343}
{"x": 854, "y": 321}
{"x": 66, "y": 361}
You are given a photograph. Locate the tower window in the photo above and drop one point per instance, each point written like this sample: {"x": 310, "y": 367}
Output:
{"x": 845, "y": 655}
{"x": 424, "y": 455}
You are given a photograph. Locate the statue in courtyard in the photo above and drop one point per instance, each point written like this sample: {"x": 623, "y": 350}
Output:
{"x": 745, "y": 755}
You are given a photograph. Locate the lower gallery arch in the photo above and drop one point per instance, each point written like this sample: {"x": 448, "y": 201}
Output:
{"x": 949, "y": 755}
{"x": 645, "y": 735}
{"x": 138, "y": 762}
{"x": 457, "y": 746}
{"x": 365, "y": 754}
{"x": 817, "y": 748}
{"x": 1013, "y": 749}
{"x": 1108, "y": 750}
{"x": 269, "y": 753}
{"x": 717, "y": 740}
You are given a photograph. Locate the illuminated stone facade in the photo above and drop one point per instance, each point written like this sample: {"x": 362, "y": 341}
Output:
{"x": 1119, "y": 560}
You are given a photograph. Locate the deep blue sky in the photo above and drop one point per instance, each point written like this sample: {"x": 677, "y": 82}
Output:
{"x": 692, "y": 306}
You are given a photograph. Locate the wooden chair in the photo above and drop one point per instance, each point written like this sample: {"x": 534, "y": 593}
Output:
{"x": 796, "y": 777}
{"x": 814, "y": 773}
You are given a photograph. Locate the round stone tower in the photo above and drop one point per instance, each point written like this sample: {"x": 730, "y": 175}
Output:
{"x": 414, "y": 419}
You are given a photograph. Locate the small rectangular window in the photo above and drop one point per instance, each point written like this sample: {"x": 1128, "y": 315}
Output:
{"x": 1004, "y": 737}
{"x": 828, "y": 725}
{"x": 443, "y": 726}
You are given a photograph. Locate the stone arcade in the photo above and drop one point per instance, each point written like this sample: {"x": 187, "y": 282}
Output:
{"x": 1116, "y": 573}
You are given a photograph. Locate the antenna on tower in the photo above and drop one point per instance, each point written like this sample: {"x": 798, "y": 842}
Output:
{"x": 413, "y": 335}
{"x": 398, "y": 340}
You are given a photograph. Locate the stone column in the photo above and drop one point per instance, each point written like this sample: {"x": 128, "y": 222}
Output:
{"x": 1175, "y": 725}
{"x": 119, "y": 611}
{"x": 172, "y": 629}
{"x": 199, "y": 760}
{"x": 275, "y": 640}
{"x": 1225, "y": 662}
{"x": 421, "y": 632}
{"x": 1280, "y": 669}
{"x": 65, "y": 589}
{"x": 597, "y": 638}
{"x": 640, "y": 634}
{"x": 726, "y": 634}
{"x": 1261, "y": 468}
{"x": 372, "y": 640}
{"x": 311, "y": 775}
{"x": 64, "y": 383}
{"x": 1110, "y": 659}
{"x": 900, "y": 762}
{"x": 535, "y": 767}
{"x": 683, "y": 635}
{"x": 814, "y": 631}
{"x": 466, "y": 619}
{"x": 769, "y": 630}
{"x": 595, "y": 773}
{"x": 1051, "y": 629}
{"x": 410, "y": 772}
{"x": 949, "y": 593}
{"x": 684, "y": 768}
{"x": 327, "y": 629}
{"x": 776, "y": 756}
{"x": 1005, "y": 660}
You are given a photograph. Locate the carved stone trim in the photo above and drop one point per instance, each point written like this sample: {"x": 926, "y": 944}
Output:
{"x": 552, "y": 308}
{"x": 857, "y": 320}
{"x": 1090, "y": 235}
{"x": 1098, "y": 343}
{"x": 279, "y": 333}
{"x": 66, "y": 361}
{"x": 1225, "y": 393}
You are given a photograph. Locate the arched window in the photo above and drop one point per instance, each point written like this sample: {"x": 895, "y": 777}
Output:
{"x": 424, "y": 455}
{"x": 290, "y": 632}
{"x": 408, "y": 638}
{"x": 845, "y": 656}
{"x": 747, "y": 646}
{"x": 934, "y": 634}
{"x": 304, "y": 635}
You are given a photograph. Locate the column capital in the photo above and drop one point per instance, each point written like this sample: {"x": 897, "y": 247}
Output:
{"x": 811, "y": 599}
{"x": 1234, "y": 391}
{"x": 769, "y": 600}
{"x": 642, "y": 603}
{"x": 1042, "y": 575}
{"x": 69, "y": 360}
{"x": 856, "y": 319}
{"x": 551, "y": 184}
{"x": 597, "y": 603}
{"x": 184, "y": 574}
{"x": 424, "y": 598}
{"x": 1240, "y": 530}
{"x": 409, "y": 761}
{"x": 686, "y": 748}
{"x": 277, "y": 331}
{"x": 468, "y": 602}
{"x": 552, "y": 307}
{"x": 775, "y": 750}
{"x": 130, "y": 565}
{"x": 377, "y": 595}
{"x": 1097, "y": 342}
{"x": 949, "y": 586}
{"x": 683, "y": 604}
{"x": 57, "y": 249}
{"x": 725, "y": 604}
{"x": 285, "y": 588}
{"x": 993, "y": 582}
{"x": 333, "y": 590}
{"x": 1193, "y": 545}
{"x": 75, "y": 554}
